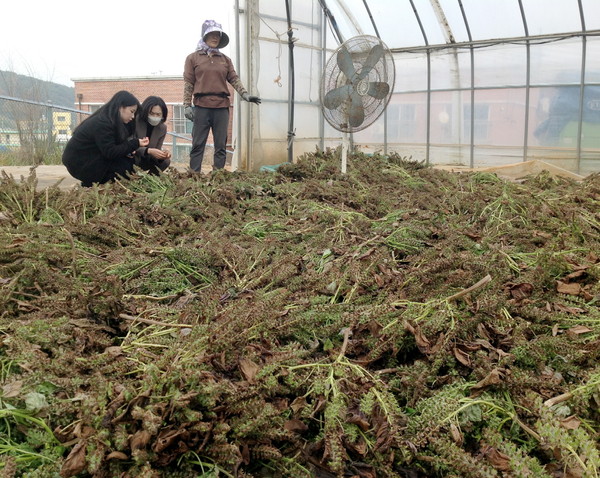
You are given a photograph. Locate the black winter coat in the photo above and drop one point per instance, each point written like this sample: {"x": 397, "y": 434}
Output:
{"x": 94, "y": 155}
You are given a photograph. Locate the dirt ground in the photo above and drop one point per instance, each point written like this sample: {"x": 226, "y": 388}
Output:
{"x": 51, "y": 175}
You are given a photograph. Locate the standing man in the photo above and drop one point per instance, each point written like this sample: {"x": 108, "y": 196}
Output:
{"x": 206, "y": 95}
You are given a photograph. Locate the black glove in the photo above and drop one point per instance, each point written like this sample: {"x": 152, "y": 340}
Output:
{"x": 189, "y": 113}
{"x": 251, "y": 99}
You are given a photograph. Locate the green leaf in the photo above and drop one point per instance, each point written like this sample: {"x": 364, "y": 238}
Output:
{"x": 35, "y": 401}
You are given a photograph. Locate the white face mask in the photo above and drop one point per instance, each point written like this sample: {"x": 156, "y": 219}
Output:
{"x": 154, "y": 120}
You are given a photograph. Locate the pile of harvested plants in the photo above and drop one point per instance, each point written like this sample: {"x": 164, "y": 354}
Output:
{"x": 393, "y": 321}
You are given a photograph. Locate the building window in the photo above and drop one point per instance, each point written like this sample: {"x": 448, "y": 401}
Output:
{"x": 181, "y": 124}
{"x": 402, "y": 121}
{"x": 480, "y": 122}
{"x": 408, "y": 120}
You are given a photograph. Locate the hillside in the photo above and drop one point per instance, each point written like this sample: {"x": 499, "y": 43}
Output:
{"x": 27, "y": 87}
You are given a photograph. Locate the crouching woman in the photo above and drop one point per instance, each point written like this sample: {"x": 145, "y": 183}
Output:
{"x": 150, "y": 123}
{"x": 103, "y": 146}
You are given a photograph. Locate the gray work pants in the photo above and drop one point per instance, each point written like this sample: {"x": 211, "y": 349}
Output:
{"x": 206, "y": 119}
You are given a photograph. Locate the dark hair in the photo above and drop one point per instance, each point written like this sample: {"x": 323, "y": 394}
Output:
{"x": 111, "y": 110}
{"x": 150, "y": 103}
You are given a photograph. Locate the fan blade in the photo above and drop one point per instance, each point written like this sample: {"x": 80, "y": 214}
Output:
{"x": 337, "y": 96}
{"x": 378, "y": 89}
{"x": 356, "y": 113}
{"x": 374, "y": 56}
{"x": 344, "y": 61}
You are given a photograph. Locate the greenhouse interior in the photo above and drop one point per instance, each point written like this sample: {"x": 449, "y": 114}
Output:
{"x": 471, "y": 83}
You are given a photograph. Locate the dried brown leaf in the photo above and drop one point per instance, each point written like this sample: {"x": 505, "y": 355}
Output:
{"x": 422, "y": 342}
{"x": 319, "y": 405}
{"x": 249, "y": 369}
{"x": 499, "y": 460}
{"x": 455, "y": 433}
{"x": 521, "y": 291}
{"x": 11, "y": 390}
{"x": 580, "y": 272}
{"x": 298, "y": 404}
{"x": 495, "y": 377}
{"x": 384, "y": 436}
{"x": 359, "y": 419}
{"x": 359, "y": 446}
{"x": 374, "y": 328}
{"x": 483, "y": 331}
{"x": 569, "y": 310}
{"x": 462, "y": 356}
{"x": 568, "y": 288}
{"x": 570, "y": 423}
{"x": 113, "y": 351}
{"x": 83, "y": 431}
{"x": 140, "y": 440}
{"x": 166, "y": 438}
{"x": 75, "y": 462}
{"x": 295, "y": 425}
{"x": 117, "y": 455}
{"x": 578, "y": 330}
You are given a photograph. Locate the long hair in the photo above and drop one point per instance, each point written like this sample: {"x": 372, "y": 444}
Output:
{"x": 150, "y": 103}
{"x": 111, "y": 111}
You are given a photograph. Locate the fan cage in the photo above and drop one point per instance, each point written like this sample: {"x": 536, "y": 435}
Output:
{"x": 333, "y": 77}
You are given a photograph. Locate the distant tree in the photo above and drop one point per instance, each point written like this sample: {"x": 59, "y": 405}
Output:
{"x": 31, "y": 117}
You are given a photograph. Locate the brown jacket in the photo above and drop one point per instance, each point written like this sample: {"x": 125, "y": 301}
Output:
{"x": 209, "y": 75}
{"x": 156, "y": 139}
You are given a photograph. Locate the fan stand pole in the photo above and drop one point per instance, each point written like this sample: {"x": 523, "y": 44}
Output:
{"x": 344, "y": 152}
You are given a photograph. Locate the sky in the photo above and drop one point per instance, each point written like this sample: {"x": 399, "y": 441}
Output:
{"x": 66, "y": 39}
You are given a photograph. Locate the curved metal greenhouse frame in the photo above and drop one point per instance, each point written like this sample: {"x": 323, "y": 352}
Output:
{"x": 478, "y": 82}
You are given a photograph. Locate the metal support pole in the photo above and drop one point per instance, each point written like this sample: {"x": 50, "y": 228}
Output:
{"x": 49, "y": 122}
{"x": 238, "y": 149}
{"x": 331, "y": 18}
{"x": 323, "y": 63}
{"x": 527, "y": 84}
{"x": 385, "y": 112}
{"x": 472, "y": 132}
{"x": 291, "y": 88}
{"x": 428, "y": 134}
{"x": 581, "y": 85}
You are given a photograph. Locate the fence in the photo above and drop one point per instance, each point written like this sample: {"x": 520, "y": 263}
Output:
{"x": 34, "y": 133}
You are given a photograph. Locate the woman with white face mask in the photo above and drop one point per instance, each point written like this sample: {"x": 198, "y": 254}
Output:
{"x": 150, "y": 123}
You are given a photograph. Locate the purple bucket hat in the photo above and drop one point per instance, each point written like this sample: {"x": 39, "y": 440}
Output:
{"x": 211, "y": 26}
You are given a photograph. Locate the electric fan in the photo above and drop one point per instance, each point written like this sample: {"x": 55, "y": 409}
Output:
{"x": 356, "y": 85}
